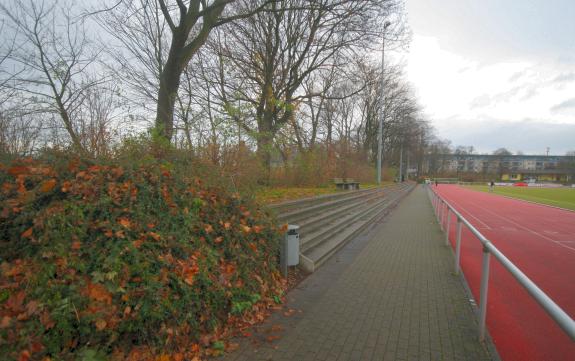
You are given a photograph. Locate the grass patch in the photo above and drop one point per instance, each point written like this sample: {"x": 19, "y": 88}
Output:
{"x": 281, "y": 194}
{"x": 558, "y": 197}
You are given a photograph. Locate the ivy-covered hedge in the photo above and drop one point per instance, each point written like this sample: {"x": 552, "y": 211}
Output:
{"x": 116, "y": 262}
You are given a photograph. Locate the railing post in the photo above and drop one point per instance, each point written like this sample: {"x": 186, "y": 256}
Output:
{"x": 458, "y": 245}
{"x": 438, "y": 208}
{"x": 442, "y": 219}
{"x": 483, "y": 293}
{"x": 447, "y": 226}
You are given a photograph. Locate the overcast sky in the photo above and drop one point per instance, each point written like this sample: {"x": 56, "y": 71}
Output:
{"x": 496, "y": 73}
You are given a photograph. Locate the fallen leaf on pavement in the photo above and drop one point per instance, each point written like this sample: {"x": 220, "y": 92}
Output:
{"x": 272, "y": 338}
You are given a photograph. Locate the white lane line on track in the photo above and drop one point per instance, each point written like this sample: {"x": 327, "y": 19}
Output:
{"x": 527, "y": 229}
{"x": 459, "y": 206}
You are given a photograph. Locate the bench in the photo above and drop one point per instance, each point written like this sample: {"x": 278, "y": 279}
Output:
{"x": 346, "y": 184}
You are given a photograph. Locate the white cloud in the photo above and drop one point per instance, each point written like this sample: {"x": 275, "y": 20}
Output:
{"x": 451, "y": 86}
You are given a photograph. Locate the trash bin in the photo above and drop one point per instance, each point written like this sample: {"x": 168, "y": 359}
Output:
{"x": 292, "y": 238}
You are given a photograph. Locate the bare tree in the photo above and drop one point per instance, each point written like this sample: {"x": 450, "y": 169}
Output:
{"x": 50, "y": 60}
{"x": 7, "y": 45}
{"x": 98, "y": 118}
{"x": 19, "y": 134}
{"x": 272, "y": 55}
{"x": 502, "y": 152}
{"x": 170, "y": 34}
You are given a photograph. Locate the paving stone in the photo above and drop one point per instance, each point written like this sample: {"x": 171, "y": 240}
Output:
{"x": 390, "y": 294}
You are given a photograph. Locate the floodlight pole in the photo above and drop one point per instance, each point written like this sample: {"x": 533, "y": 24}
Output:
{"x": 382, "y": 107}
{"x": 401, "y": 163}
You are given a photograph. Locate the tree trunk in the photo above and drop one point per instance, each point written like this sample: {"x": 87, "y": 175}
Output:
{"x": 265, "y": 143}
{"x": 77, "y": 144}
{"x": 169, "y": 85}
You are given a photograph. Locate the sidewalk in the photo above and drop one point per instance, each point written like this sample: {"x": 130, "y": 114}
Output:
{"x": 388, "y": 295}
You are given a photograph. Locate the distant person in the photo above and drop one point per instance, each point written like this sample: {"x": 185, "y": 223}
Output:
{"x": 491, "y": 185}
{"x": 436, "y": 183}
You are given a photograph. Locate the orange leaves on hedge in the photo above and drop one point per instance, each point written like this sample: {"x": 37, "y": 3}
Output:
{"x": 15, "y": 303}
{"x": 7, "y": 187}
{"x": 178, "y": 357}
{"x": 155, "y": 236}
{"x": 27, "y": 233}
{"x": 187, "y": 269}
{"x": 117, "y": 171}
{"x": 15, "y": 268}
{"x": 66, "y": 186}
{"x": 219, "y": 219}
{"x": 127, "y": 310}
{"x": 125, "y": 222}
{"x": 98, "y": 292}
{"x": 48, "y": 185}
{"x": 21, "y": 185}
{"x": 227, "y": 269}
{"x": 46, "y": 320}
{"x": 190, "y": 273}
{"x": 5, "y": 322}
{"x": 18, "y": 170}
{"x": 37, "y": 347}
{"x": 24, "y": 355}
{"x": 73, "y": 165}
{"x": 100, "y": 324}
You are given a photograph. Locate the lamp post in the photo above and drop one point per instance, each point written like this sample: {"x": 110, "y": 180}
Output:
{"x": 382, "y": 108}
{"x": 401, "y": 162}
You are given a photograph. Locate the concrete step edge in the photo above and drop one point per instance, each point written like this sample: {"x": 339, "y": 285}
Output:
{"x": 313, "y": 223}
{"x": 312, "y": 263}
{"x": 315, "y": 239}
{"x": 303, "y": 212}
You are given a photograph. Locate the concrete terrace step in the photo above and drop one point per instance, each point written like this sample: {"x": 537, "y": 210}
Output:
{"x": 334, "y": 229}
{"x": 330, "y": 229}
{"x": 289, "y": 206}
{"x": 322, "y": 252}
{"x": 300, "y": 214}
{"x": 313, "y": 223}
{"x": 319, "y": 245}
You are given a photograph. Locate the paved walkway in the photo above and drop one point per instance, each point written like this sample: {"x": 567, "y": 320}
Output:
{"x": 388, "y": 295}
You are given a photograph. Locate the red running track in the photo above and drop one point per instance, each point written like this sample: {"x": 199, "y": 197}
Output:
{"x": 540, "y": 240}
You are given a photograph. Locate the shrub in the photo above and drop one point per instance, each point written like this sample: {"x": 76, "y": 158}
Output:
{"x": 105, "y": 261}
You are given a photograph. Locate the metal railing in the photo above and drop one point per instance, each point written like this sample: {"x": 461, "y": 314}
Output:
{"x": 444, "y": 210}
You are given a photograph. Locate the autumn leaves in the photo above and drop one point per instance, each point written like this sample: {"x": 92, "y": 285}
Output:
{"x": 128, "y": 262}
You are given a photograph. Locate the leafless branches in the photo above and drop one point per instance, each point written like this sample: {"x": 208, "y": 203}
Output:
{"x": 51, "y": 59}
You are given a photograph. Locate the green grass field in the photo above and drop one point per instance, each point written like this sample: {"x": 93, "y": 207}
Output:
{"x": 558, "y": 197}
